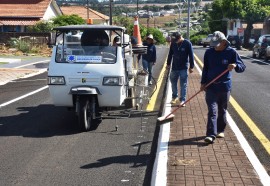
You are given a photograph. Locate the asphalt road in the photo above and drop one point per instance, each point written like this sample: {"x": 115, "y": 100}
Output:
{"x": 251, "y": 90}
{"x": 42, "y": 145}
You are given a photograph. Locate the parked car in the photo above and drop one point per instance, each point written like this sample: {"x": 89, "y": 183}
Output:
{"x": 235, "y": 41}
{"x": 260, "y": 46}
{"x": 206, "y": 41}
{"x": 267, "y": 54}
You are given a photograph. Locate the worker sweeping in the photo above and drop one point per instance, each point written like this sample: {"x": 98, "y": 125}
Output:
{"x": 217, "y": 59}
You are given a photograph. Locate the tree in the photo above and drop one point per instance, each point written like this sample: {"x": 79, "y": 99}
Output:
{"x": 215, "y": 17}
{"x": 41, "y": 26}
{"x": 253, "y": 13}
{"x": 122, "y": 21}
{"x": 128, "y": 24}
{"x": 64, "y": 20}
{"x": 249, "y": 11}
{"x": 168, "y": 7}
{"x": 158, "y": 35}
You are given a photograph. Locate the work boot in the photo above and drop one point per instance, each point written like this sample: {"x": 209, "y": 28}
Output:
{"x": 209, "y": 139}
{"x": 174, "y": 100}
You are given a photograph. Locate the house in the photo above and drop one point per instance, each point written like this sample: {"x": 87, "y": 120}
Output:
{"x": 85, "y": 13}
{"x": 236, "y": 27}
{"x": 16, "y": 15}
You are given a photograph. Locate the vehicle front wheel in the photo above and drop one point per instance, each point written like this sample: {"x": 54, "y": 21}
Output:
{"x": 85, "y": 115}
{"x": 130, "y": 103}
{"x": 238, "y": 47}
{"x": 259, "y": 55}
{"x": 253, "y": 54}
{"x": 265, "y": 57}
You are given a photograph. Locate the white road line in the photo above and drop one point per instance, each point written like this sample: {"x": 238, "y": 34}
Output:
{"x": 24, "y": 96}
{"x": 31, "y": 63}
{"x": 159, "y": 173}
{"x": 31, "y": 80}
{"x": 264, "y": 177}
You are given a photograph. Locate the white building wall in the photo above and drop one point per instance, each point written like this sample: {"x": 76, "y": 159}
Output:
{"x": 50, "y": 13}
{"x": 236, "y": 24}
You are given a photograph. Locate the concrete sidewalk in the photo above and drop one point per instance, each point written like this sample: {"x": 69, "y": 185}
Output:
{"x": 193, "y": 162}
{"x": 16, "y": 68}
{"x": 10, "y": 74}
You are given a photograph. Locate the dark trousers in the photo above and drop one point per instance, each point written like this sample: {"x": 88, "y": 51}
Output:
{"x": 148, "y": 67}
{"x": 217, "y": 103}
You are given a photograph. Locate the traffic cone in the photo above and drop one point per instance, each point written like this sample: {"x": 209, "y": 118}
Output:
{"x": 136, "y": 31}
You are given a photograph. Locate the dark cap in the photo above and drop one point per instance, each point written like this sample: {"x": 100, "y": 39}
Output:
{"x": 217, "y": 38}
{"x": 176, "y": 35}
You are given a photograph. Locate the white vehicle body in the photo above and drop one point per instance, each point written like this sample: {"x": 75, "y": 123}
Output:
{"x": 81, "y": 74}
{"x": 267, "y": 54}
{"x": 88, "y": 71}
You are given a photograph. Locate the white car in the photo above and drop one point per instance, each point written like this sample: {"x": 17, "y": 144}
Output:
{"x": 206, "y": 41}
{"x": 267, "y": 53}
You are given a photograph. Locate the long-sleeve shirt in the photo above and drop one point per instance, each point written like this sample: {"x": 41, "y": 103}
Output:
{"x": 182, "y": 55}
{"x": 151, "y": 55}
{"x": 215, "y": 62}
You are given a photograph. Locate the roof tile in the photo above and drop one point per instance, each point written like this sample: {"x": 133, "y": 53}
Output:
{"x": 23, "y": 8}
{"x": 82, "y": 12}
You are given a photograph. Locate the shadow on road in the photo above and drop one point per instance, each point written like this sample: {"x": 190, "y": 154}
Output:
{"x": 39, "y": 122}
{"x": 138, "y": 160}
{"x": 48, "y": 120}
{"x": 261, "y": 62}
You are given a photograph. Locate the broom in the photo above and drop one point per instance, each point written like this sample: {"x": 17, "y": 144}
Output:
{"x": 170, "y": 116}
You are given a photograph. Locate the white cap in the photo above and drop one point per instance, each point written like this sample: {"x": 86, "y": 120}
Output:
{"x": 150, "y": 36}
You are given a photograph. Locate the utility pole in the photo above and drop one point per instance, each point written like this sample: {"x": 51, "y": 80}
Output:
{"x": 179, "y": 17}
{"x": 87, "y": 11}
{"x": 111, "y": 12}
{"x": 188, "y": 23}
{"x": 137, "y": 7}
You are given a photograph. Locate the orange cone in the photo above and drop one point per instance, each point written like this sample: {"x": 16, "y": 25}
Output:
{"x": 136, "y": 31}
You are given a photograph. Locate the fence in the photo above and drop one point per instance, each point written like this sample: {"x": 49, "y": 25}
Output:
{"x": 32, "y": 38}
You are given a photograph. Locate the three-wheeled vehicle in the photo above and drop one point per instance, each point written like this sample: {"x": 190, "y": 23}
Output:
{"x": 89, "y": 72}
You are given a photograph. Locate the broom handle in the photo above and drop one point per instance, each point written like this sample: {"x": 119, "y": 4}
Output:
{"x": 207, "y": 85}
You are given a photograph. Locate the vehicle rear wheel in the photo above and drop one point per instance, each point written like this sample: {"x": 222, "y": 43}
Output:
{"x": 85, "y": 115}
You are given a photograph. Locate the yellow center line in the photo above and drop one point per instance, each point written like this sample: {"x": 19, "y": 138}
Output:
{"x": 250, "y": 123}
{"x": 151, "y": 105}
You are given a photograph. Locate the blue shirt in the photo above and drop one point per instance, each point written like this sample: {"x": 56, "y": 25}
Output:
{"x": 151, "y": 55}
{"x": 182, "y": 54}
{"x": 215, "y": 62}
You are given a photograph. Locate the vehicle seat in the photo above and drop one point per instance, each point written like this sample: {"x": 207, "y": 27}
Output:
{"x": 94, "y": 38}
